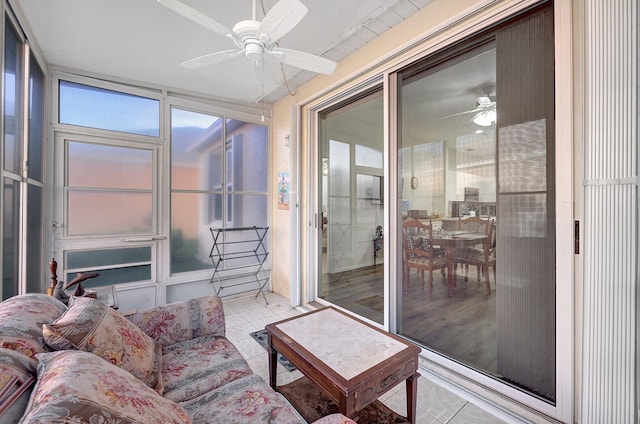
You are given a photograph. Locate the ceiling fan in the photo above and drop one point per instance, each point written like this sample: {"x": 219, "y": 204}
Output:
{"x": 255, "y": 39}
{"x": 485, "y": 110}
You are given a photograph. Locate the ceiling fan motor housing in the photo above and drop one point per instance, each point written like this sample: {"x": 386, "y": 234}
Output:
{"x": 247, "y": 32}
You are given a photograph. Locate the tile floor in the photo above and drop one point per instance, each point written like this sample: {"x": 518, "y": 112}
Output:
{"x": 436, "y": 405}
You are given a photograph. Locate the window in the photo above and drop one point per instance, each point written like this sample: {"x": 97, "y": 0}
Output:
{"x": 22, "y": 171}
{"x": 35, "y": 174}
{"x": 12, "y": 159}
{"x": 207, "y": 191}
{"x": 95, "y": 107}
{"x": 101, "y": 179}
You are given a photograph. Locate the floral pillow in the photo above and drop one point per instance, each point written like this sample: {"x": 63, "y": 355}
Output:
{"x": 78, "y": 387}
{"x": 92, "y": 326}
{"x": 16, "y": 370}
{"x": 21, "y": 319}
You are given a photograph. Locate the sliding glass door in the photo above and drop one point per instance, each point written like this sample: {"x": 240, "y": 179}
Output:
{"x": 351, "y": 203}
{"x": 472, "y": 245}
{"x": 476, "y": 146}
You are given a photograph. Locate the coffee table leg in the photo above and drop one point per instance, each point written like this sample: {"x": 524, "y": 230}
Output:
{"x": 273, "y": 364}
{"x": 412, "y": 394}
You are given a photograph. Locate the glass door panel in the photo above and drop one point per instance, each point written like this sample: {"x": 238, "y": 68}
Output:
{"x": 351, "y": 226}
{"x": 475, "y": 155}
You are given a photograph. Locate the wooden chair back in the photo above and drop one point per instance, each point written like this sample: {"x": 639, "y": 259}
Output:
{"x": 474, "y": 224}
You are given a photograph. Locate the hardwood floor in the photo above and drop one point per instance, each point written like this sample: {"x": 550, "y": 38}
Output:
{"x": 462, "y": 327}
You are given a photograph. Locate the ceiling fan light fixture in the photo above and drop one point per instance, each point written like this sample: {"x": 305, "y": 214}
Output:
{"x": 485, "y": 118}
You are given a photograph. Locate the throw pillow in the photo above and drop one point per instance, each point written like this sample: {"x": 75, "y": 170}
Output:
{"x": 15, "y": 371}
{"x": 92, "y": 326}
{"x": 21, "y": 319}
{"x": 78, "y": 387}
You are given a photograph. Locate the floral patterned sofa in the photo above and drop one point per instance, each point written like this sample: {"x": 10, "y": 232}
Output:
{"x": 86, "y": 363}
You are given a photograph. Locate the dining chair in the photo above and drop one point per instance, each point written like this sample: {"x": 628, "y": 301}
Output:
{"x": 482, "y": 256}
{"x": 418, "y": 252}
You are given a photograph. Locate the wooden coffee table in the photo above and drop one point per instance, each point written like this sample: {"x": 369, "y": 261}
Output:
{"x": 351, "y": 361}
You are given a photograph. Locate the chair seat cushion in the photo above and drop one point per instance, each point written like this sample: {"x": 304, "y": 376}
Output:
{"x": 469, "y": 253}
{"x": 197, "y": 366}
{"x": 438, "y": 261}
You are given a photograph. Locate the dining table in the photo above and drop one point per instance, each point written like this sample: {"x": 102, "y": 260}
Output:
{"x": 450, "y": 241}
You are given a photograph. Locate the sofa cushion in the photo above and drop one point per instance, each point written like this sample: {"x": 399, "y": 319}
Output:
{"x": 92, "y": 326}
{"x": 21, "y": 319}
{"x": 197, "y": 366}
{"x": 79, "y": 387}
{"x": 245, "y": 400}
{"x": 180, "y": 321}
{"x": 16, "y": 369}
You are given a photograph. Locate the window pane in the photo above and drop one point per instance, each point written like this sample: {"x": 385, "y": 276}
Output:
{"x": 248, "y": 156}
{"x": 94, "y": 107}
{"x": 10, "y": 218}
{"x": 207, "y": 176}
{"x": 110, "y": 276}
{"x": 35, "y": 274}
{"x": 446, "y": 306}
{"x": 196, "y": 150}
{"x": 12, "y": 99}
{"x": 104, "y": 257}
{"x": 102, "y": 166}
{"x": 190, "y": 236}
{"x": 246, "y": 210}
{"x": 102, "y": 212}
{"x": 36, "y": 119}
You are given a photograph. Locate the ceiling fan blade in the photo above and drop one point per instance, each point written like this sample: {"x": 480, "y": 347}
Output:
{"x": 196, "y": 16}
{"x": 463, "y": 113}
{"x": 281, "y": 19}
{"x": 303, "y": 60}
{"x": 264, "y": 76}
{"x": 210, "y": 59}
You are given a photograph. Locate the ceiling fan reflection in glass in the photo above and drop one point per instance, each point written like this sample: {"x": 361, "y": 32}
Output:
{"x": 485, "y": 118}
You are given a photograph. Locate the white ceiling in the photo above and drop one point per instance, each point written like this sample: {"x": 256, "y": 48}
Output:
{"x": 143, "y": 41}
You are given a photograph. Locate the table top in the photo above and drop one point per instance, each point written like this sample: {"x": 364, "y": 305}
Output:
{"x": 345, "y": 344}
{"x": 458, "y": 237}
